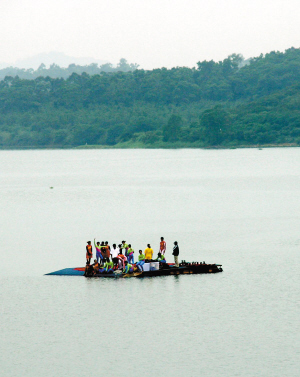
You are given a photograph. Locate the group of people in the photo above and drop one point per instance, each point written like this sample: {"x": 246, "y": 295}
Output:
{"x": 121, "y": 257}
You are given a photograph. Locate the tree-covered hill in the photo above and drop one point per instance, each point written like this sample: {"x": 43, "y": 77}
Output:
{"x": 223, "y": 103}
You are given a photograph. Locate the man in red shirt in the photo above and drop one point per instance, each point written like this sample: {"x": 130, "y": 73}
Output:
{"x": 162, "y": 246}
{"x": 89, "y": 252}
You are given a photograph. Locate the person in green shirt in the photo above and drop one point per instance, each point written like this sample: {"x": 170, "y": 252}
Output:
{"x": 124, "y": 246}
{"x": 107, "y": 268}
{"x": 141, "y": 261}
{"x": 130, "y": 256}
{"x": 141, "y": 256}
{"x": 161, "y": 258}
{"x": 99, "y": 256}
{"x": 128, "y": 268}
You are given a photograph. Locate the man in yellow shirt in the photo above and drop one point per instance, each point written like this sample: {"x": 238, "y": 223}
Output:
{"x": 148, "y": 252}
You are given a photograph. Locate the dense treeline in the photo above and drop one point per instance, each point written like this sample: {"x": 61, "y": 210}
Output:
{"x": 223, "y": 103}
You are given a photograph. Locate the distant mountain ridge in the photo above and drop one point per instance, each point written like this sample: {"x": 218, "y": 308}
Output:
{"x": 53, "y": 57}
{"x": 60, "y": 71}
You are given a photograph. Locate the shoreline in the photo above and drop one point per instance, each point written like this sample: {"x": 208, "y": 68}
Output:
{"x": 257, "y": 146}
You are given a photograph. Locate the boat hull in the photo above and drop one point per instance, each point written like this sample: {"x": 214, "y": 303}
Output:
{"x": 184, "y": 270}
{"x": 187, "y": 269}
{"x": 76, "y": 271}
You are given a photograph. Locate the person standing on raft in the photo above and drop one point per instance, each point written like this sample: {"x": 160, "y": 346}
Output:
{"x": 125, "y": 246}
{"x": 130, "y": 256}
{"x": 114, "y": 252}
{"x": 99, "y": 256}
{"x": 176, "y": 253}
{"x": 162, "y": 246}
{"x": 107, "y": 249}
{"x": 89, "y": 252}
{"x": 105, "y": 252}
{"x": 148, "y": 252}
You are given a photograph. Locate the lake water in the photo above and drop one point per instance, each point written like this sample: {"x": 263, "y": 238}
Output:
{"x": 239, "y": 208}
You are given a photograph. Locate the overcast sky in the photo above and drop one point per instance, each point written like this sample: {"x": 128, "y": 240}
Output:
{"x": 152, "y": 33}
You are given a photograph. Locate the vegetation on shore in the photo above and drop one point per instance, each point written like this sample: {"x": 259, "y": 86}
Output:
{"x": 217, "y": 104}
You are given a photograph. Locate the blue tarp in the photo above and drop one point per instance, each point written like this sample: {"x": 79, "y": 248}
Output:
{"x": 67, "y": 271}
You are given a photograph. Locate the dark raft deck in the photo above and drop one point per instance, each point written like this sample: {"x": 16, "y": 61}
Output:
{"x": 170, "y": 269}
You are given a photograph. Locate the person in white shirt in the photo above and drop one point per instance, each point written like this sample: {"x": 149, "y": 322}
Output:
{"x": 114, "y": 252}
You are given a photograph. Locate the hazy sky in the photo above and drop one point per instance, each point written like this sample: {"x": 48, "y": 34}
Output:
{"x": 153, "y": 33}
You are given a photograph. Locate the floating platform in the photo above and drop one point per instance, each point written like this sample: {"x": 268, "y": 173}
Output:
{"x": 170, "y": 269}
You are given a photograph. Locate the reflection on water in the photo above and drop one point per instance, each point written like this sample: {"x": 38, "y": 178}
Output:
{"x": 239, "y": 208}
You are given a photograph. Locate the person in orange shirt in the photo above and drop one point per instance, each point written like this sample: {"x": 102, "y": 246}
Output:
{"x": 89, "y": 252}
{"x": 107, "y": 251}
{"x": 162, "y": 246}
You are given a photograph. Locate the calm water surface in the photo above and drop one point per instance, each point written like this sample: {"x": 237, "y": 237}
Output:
{"x": 239, "y": 208}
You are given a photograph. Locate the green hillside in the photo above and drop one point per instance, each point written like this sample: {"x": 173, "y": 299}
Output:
{"x": 216, "y": 104}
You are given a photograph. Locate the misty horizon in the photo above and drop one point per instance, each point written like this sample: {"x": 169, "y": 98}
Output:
{"x": 64, "y": 61}
{"x": 158, "y": 33}
{"x": 51, "y": 57}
